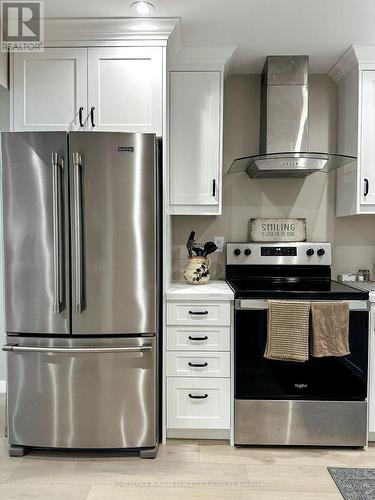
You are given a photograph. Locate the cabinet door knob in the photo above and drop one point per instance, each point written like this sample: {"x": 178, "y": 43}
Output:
{"x": 81, "y": 124}
{"x": 92, "y": 116}
{"x": 213, "y": 187}
{"x": 366, "y": 187}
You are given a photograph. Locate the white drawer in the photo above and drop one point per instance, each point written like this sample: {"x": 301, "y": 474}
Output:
{"x": 210, "y": 411}
{"x": 198, "y": 338}
{"x": 198, "y": 313}
{"x": 198, "y": 364}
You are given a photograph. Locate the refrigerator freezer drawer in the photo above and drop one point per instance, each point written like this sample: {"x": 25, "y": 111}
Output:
{"x": 82, "y": 393}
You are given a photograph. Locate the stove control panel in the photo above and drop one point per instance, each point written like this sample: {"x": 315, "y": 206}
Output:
{"x": 311, "y": 254}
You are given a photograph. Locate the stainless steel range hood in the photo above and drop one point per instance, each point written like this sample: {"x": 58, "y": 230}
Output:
{"x": 284, "y": 125}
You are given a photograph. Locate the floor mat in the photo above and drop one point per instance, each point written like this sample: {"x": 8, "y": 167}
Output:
{"x": 354, "y": 484}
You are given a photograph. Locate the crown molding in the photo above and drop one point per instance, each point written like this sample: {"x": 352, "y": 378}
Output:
{"x": 361, "y": 56}
{"x": 202, "y": 58}
{"x": 110, "y": 29}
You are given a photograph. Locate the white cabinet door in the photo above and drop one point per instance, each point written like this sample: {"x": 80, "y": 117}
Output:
{"x": 195, "y": 144}
{"x": 49, "y": 89}
{"x": 125, "y": 89}
{"x": 367, "y": 158}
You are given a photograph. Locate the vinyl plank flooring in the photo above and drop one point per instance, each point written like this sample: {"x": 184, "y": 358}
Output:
{"x": 14, "y": 491}
{"x": 283, "y": 478}
{"x": 216, "y": 452}
{"x": 118, "y": 493}
{"x": 124, "y": 473}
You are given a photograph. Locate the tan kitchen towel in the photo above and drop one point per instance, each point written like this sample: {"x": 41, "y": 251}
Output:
{"x": 330, "y": 329}
{"x": 288, "y": 330}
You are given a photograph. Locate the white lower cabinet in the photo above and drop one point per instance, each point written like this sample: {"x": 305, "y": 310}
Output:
{"x": 196, "y": 338}
{"x": 198, "y": 369}
{"x": 198, "y": 364}
{"x": 198, "y": 403}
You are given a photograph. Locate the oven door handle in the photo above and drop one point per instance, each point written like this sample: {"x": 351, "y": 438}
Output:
{"x": 262, "y": 304}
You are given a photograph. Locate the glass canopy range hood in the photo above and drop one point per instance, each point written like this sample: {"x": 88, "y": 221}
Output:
{"x": 284, "y": 125}
{"x": 282, "y": 165}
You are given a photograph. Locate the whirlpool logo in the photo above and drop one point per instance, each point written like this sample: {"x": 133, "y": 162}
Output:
{"x": 300, "y": 386}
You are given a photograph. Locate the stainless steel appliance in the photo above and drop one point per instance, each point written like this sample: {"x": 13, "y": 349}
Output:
{"x": 81, "y": 247}
{"x": 322, "y": 402}
{"x": 284, "y": 138}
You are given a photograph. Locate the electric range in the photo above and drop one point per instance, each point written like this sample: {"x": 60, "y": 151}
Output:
{"x": 322, "y": 401}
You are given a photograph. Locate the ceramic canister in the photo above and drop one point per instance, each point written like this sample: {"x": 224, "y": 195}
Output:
{"x": 197, "y": 271}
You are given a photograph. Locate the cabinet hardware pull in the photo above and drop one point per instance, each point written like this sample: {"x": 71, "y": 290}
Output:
{"x": 366, "y": 187}
{"x": 92, "y": 116}
{"x": 198, "y": 313}
{"x": 198, "y": 397}
{"x": 81, "y": 124}
{"x": 198, "y": 338}
{"x": 197, "y": 365}
{"x": 213, "y": 187}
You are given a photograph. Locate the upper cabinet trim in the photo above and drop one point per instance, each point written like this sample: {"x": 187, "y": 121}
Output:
{"x": 111, "y": 30}
{"x": 362, "y": 56}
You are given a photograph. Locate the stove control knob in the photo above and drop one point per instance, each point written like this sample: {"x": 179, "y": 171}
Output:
{"x": 310, "y": 252}
{"x": 237, "y": 252}
{"x": 321, "y": 252}
{"x": 247, "y": 252}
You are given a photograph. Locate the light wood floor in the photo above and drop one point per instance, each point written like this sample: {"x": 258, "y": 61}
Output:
{"x": 183, "y": 470}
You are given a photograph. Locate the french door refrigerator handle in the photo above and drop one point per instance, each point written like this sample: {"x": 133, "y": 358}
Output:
{"x": 57, "y": 233}
{"x": 78, "y": 350}
{"x": 77, "y": 165}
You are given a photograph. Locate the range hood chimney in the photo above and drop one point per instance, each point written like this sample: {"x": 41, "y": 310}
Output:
{"x": 284, "y": 125}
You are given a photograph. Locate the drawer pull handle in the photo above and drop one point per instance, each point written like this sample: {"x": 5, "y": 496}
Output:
{"x": 197, "y": 365}
{"x": 192, "y": 396}
{"x": 198, "y": 313}
{"x": 198, "y": 338}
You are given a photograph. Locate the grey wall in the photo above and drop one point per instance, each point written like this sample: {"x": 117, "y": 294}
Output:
{"x": 313, "y": 198}
{"x": 4, "y": 126}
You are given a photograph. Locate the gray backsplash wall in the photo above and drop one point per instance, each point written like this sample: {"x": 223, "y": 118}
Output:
{"x": 312, "y": 198}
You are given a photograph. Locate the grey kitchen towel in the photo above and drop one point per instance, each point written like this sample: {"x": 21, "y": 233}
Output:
{"x": 330, "y": 329}
{"x": 288, "y": 330}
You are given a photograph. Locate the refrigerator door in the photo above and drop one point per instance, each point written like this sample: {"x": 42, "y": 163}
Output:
{"x": 114, "y": 214}
{"x": 82, "y": 393}
{"x": 36, "y": 232}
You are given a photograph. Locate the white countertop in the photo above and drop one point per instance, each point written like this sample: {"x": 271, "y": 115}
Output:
{"x": 368, "y": 286}
{"x": 213, "y": 290}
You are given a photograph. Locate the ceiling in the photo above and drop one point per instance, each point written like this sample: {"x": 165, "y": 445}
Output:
{"x": 323, "y": 29}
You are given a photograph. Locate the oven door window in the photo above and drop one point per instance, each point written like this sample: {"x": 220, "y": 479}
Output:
{"x": 330, "y": 378}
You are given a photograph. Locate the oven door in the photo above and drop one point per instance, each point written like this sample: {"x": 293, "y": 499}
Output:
{"x": 330, "y": 378}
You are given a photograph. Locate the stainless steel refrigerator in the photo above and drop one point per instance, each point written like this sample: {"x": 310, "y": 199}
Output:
{"x": 81, "y": 253}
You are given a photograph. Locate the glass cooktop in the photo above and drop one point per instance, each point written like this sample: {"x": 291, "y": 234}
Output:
{"x": 296, "y": 288}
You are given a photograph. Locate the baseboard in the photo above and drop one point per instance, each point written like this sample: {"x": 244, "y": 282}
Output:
{"x": 371, "y": 436}
{"x": 3, "y": 386}
{"x": 198, "y": 433}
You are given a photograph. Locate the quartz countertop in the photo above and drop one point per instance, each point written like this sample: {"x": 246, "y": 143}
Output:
{"x": 213, "y": 290}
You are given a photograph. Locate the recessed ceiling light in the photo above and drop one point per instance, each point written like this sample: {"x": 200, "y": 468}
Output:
{"x": 143, "y": 7}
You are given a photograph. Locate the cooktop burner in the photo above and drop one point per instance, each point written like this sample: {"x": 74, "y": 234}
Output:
{"x": 300, "y": 271}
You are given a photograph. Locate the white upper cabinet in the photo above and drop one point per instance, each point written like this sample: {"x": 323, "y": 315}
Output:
{"x": 125, "y": 89}
{"x": 195, "y": 129}
{"x": 49, "y": 88}
{"x": 367, "y": 145}
{"x": 355, "y": 76}
{"x": 116, "y": 89}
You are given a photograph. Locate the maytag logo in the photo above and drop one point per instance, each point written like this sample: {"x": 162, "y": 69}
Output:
{"x": 125, "y": 149}
{"x": 300, "y": 386}
{"x": 22, "y": 26}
